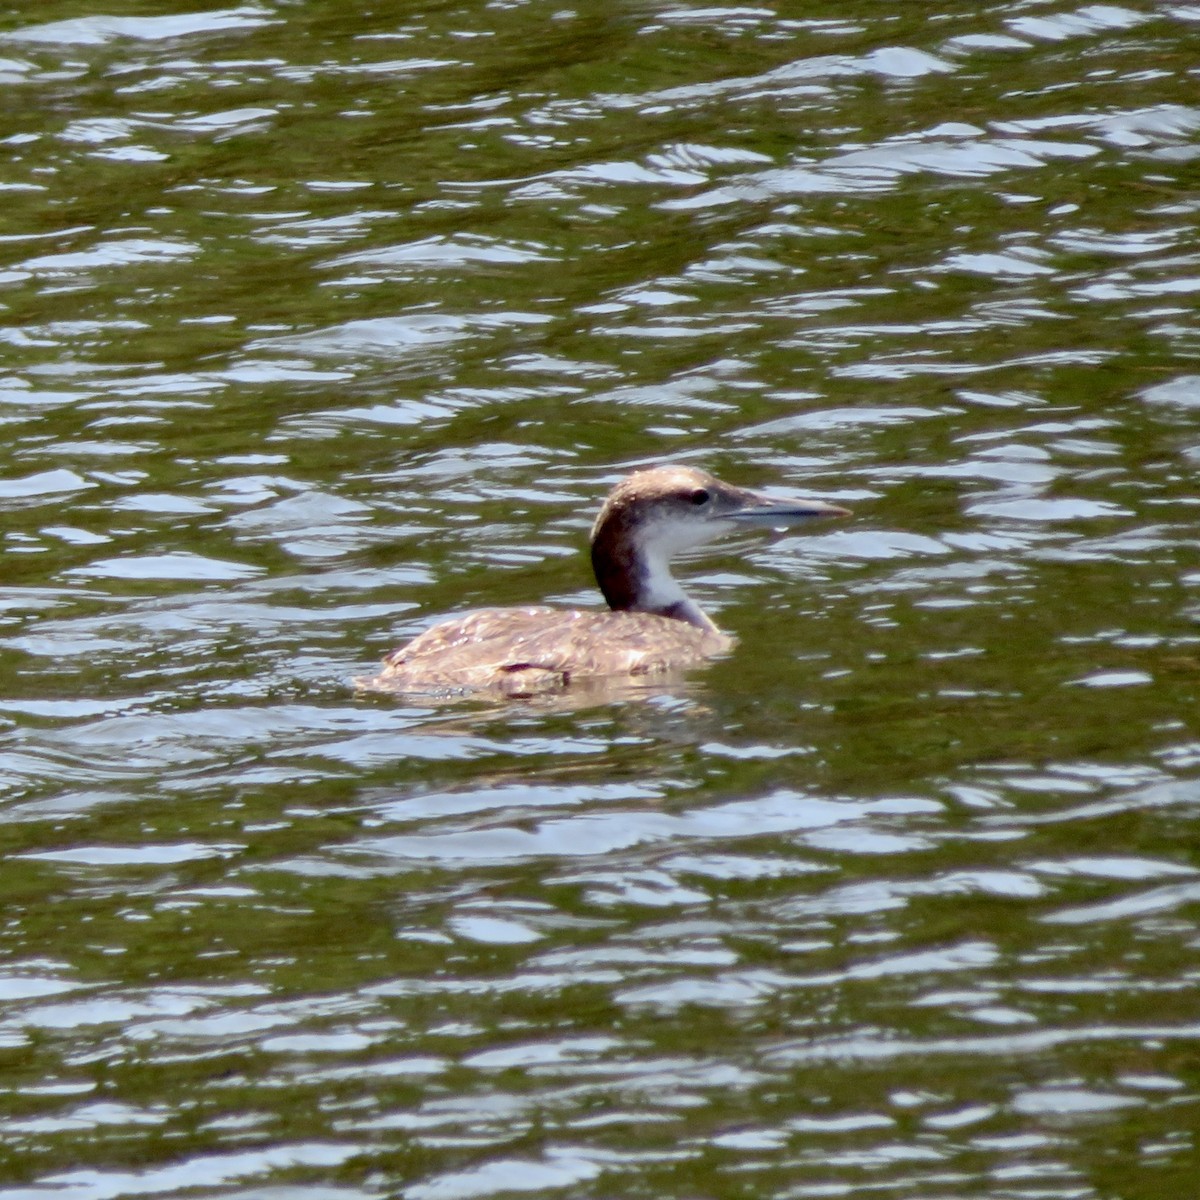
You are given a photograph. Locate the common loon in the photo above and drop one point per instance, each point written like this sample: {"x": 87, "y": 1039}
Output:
{"x": 652, "y": 627}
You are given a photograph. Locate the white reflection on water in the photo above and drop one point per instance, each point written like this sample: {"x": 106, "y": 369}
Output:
{"x": 560, "y": 1169}
{"x": 95, "y": 30}
{"x": 605, "y": 832}
{"x": 202, "y": 1170}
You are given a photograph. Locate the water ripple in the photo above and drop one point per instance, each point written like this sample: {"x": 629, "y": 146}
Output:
{"x": 322, "y": 325}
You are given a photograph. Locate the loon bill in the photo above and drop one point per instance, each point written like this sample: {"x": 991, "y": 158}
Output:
{"x": 652, "y": 627}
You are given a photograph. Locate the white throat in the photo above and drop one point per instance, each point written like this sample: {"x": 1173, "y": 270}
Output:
{"x": 658, "y": 590}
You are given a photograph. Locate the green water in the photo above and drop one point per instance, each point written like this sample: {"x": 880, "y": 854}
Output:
{"x": 321, "y": 321}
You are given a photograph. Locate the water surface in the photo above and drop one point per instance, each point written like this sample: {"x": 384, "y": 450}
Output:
{"x": 319, "y": 324}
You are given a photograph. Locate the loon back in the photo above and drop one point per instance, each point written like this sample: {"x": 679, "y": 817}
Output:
{"x": 526, "y": 651}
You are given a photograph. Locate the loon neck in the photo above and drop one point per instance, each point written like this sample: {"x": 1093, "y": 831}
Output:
{"x": 635, "y": 578}
{"x": 686, "y": 609}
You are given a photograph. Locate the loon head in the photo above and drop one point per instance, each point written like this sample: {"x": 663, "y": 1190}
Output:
{"x": 652, "y": 515}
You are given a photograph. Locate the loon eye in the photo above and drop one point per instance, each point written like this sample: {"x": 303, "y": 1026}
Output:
{"x": 700, "y": 496}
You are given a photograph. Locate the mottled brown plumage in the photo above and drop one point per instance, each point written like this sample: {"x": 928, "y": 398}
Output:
{"x": 524, "y": 651}
{"x": 652, "y": 627}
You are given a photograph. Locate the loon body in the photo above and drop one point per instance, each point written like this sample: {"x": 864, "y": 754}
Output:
{"x": 652, "y": 627}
